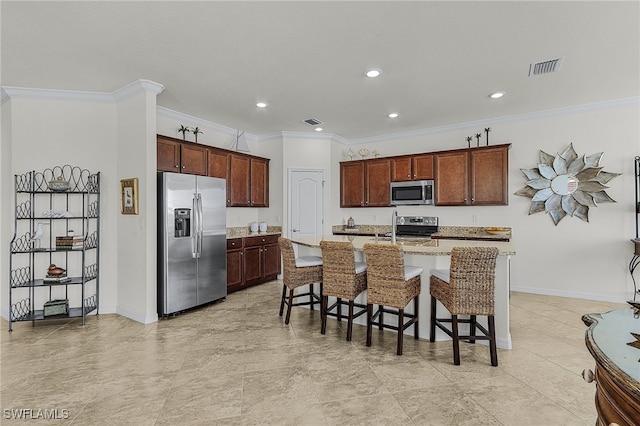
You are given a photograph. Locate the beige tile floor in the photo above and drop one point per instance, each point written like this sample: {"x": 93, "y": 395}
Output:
{"x": 236, "y": 363}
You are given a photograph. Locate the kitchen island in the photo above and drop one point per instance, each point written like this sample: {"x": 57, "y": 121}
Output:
{"x": 428, "y": 254}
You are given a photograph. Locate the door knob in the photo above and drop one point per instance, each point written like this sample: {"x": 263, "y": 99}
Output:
{"x": 295, "y": 230}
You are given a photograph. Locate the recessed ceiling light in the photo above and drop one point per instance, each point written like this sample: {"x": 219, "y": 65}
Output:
{"x": 393, "y": 115}
{"x": 372, "y": 73}
{"x": 261, "y": 104}
{"x": 496, "y": 95}
{"x": 318, "y": 129}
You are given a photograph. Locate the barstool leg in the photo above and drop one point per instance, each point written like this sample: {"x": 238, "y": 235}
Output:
{"x": 284, "y": 294}
{"x": 323, "y": 314}
{"x": 472, "y": 328}
{"x": 311, "y": 301}
{"x": 369, "y": 325}
{"x": 456, "y": 340}
{"x": 350, "y": 321}
{"x": 492, "y": 341}
{"x": 381, "y": 317}
{"x": 400, "y": 330}
{"x": 286, "y": 320}
{"x": 339, "y": 309}
{"x": 432, "y": 326}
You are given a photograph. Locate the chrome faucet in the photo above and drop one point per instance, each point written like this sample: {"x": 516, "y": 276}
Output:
{"x": 394, "y": 215}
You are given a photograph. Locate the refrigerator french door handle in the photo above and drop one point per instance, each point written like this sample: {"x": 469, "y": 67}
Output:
{"x": 194, "y": 225}
{"x": 200, "y": 225}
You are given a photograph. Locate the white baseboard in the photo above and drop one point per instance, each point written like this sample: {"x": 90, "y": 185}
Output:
{"x": 570, "y": 294}
{"x": 148, "y": 319}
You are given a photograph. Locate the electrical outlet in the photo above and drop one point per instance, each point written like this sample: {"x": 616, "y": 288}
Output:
{"x": 374, "y": 218}
{"x": 475, "y": 218}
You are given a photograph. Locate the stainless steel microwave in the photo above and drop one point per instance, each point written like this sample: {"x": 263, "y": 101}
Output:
{"x": 414, "y": 192}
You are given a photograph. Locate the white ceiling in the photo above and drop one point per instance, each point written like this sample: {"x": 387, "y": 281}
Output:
{"x": 439, "y": 60}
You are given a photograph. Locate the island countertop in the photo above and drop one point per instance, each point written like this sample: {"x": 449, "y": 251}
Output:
{"x": 427, "y": 247}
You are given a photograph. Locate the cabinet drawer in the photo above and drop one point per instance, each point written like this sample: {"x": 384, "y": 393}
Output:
{"x": 234, "y": 244}
{"x": 258, "y": 241}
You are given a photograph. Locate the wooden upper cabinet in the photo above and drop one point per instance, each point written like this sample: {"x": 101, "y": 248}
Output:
{"x": 377, "y": 183}
{"x": 193, "y": 159}
{"x": 168, "y": 155}
{"x": 259, "y": 182}
{"x": 474, "y": 176}
{"x": 218, "y": 165}
{"x": 352, "y": 184}
{"x": 238, "y": 184}
{"x": 451, "y": 178}
{"x": 180, "y": 157}
{"x": 422, "y": 167}
{"x": 415, "y": 167}
{"x": 489, "y": 176}
{"x": 401, "y": 169}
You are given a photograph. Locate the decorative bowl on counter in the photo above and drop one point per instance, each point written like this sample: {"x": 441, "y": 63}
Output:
{"x": 498, "y": 230}
{"x": 58, "y": 184}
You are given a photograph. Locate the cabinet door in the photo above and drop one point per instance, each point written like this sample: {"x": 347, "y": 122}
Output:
{"x": 352, "y": 184}
{"x": 400, "y": 169}
{"x": 235, "y": 268}
{"x": 378, "y": 183}
{"x": 271, "y": 255}
{"x": 259, "y": 183}
{"x": 253, "y": 265}
{"x": 168, "y": 155}
{"x": 239, "y": 181}
{"x": 489, "y": 181}
{"x": 193, "y": 159}
{"x": 217, "y": 164}
{"x": 422, "y": 167}
{"x": 451, "y": 178}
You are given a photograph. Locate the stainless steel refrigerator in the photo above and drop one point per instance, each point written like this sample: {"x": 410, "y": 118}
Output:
{"x": 192, "y": 241}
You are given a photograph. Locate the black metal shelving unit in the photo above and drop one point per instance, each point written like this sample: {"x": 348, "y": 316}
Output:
{"x": 40, "y": 202}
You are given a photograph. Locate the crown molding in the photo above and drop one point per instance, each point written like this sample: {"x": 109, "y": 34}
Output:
{"x": 125, "y": 92}
{"x": 135, "y": 88}
{"x": 180, "y": 116}
{"x": 596, "y": 106}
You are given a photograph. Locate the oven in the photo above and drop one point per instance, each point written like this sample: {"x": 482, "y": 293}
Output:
{"x": 416, "y": 226}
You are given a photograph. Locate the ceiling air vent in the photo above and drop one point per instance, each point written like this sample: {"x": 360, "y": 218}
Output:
{"x": 312, "y": 121}
{"x": 545, "y": 67}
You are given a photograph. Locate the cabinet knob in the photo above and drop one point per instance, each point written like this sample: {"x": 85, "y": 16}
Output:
{"x": 588, "y": 375}
{"x": 183, "y": 167}
{"x": 177, "y": 166}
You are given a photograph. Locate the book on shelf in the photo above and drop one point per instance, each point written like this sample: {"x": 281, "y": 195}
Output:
{"x": 58, "y": 280}
{"x": 70, "y": 243}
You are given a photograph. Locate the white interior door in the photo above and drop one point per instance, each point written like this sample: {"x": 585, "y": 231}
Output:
{"x": 306, "y": 202}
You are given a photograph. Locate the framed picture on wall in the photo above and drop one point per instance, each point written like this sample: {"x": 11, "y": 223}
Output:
{"x": 129, "y": 196}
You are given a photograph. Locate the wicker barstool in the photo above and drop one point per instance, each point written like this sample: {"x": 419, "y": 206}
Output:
{"x": 467, "y": 288}
{"x": 391, "y": 283}
{"x": 298, "y": 271}
{"x": 343, "y": 278}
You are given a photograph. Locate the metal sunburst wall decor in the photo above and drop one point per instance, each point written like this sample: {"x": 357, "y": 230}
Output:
{"x": 566, "y": 184}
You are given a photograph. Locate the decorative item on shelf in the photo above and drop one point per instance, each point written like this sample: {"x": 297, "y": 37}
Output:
{"x": 129, "y": 196}
{"x": 636, "y": 308}
{"x": 487, "y": 130}
{"x": 240, "y": 142}
{"x": 350, "y": 153}
{"x": 566, "y": 184}
{"x": 195, "y": 131}
{"x": 69, "y": 243}
{"x": 375, "y": 153}
{"x": 183, "y": 129}
{"x": 56, "y": 214}
{"x": 254, "y": 227}
{"x": 37, "y": 236}
{"x": 469, "y": 138}
{"x": 263, "y": 226}
{"x": 56, "y": 307}
{"x": 58, "y": 184}
{"x": 478, "y": 139}
{"x": 56, "y": 271}
{"x": 363, "y": 152}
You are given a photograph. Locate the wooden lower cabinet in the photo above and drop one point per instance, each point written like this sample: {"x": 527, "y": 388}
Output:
{"x": 251, "y": 261}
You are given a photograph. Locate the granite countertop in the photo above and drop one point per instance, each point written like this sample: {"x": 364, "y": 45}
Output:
{"x": 243, "y": 231}
{"x": 444, "y": 232}
{"x": 420, "y": 246}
